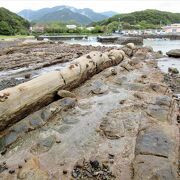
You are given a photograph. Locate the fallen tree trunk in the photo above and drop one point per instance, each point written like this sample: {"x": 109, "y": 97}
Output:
{"x": 19, "y": 101}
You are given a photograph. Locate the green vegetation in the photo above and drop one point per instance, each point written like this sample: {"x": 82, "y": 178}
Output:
{"x": 60, "y": 28}
{"x": 147, "y": 19}
{"x": 3, "y": 37}
{"x": 12, "y": 24}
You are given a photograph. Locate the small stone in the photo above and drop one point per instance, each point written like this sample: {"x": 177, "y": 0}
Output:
{"x": 113, "y": 72}
{"x": 88, "y": 57}
{"x": 111, "y": 156}
{"x": 27, "y": 76}
{"x": 144, "y": 76}
{"x": 98, "y": 130}
{"x": 74, "y": 174}
{"x": 19, "y": 166}
{"x": 65, "y": 171}
{"x": 94, "y": 164}
{"x": 58, "y": 141}
{"x": 173, "y": 70}
{"x": 11, "y": 171}
{"x": 178, "y": 118}
{"x": 138, "y": 95}
{"x": 111, "y": 161}
{"x": 80, "y": 163}
{"x": 122, "y": 101}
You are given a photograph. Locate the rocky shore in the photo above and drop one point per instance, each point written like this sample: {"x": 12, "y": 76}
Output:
{"x": 23, "y": 61}
{"x": 119, "y": 120}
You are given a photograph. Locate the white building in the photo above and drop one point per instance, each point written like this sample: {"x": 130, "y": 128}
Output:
{"x": 71, "y": 26}
{"x": 90, "y": 28}
{"x": 173, "y": 28}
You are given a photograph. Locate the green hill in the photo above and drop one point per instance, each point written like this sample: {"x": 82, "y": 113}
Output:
{"x": 142, "y": 19}
{"x": 11, "y": 23}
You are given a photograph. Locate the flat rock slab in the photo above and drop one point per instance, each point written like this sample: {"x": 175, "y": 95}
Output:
{"x": 158, "y": 112}
{"x": 148, "y": 167}
{"x": 154, "y": 142}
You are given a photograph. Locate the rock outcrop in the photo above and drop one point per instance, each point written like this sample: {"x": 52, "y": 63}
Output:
{"x": 122, "y": 123}
{"x": 20, "y": 100}
{"x": 174, "y": 53}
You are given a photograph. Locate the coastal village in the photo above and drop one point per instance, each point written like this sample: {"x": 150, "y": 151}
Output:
{"x": 100, "y": 104}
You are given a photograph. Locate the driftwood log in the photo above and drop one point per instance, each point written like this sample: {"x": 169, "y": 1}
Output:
{"x": 19, "y": 101}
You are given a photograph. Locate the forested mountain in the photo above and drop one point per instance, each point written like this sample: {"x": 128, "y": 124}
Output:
{"x": 11, "y": 23}
{"x": 66, "y": 16}
{"x": 142, "y": 19}
{"x": 82, "y": 16}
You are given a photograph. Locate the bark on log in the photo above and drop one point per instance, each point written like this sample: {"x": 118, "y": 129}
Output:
{"x": 19, "y": 101}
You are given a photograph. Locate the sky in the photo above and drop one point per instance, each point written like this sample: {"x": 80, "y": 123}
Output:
{"x": 120, "y": 6}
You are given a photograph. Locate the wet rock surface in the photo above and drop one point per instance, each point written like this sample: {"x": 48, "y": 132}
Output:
{"x": 21, "y": 64}
{"x": 120, "y": 125}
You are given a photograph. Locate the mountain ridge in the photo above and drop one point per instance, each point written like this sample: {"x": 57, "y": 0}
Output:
{"x": 38, "y": 15}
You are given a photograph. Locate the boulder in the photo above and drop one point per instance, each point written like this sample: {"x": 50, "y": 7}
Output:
{"x": 126, "y": 40}
{"x": 174, "y": 53}
{"x": 173, "y": 70}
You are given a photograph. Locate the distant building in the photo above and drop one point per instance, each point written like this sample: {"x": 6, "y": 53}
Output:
{"x": 173, "y": 28}
{"x": 90, "y": 28}
{"x": 71, "y": 26}
{"x": 38, "y": 28}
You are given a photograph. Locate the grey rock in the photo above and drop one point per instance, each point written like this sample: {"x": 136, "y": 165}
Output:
{"x": 128, "y": 51}
{"x": 46, "y": 114}
{"x": 36, "y": 121}
{"x": 99, "y": 88}
{"x": 10, "y": 138}
{"x": 135, "y": 86}
{"x": 64, "y": 129}
{"x": 2, "y": 144}
{"x": 163, "y": 101}
{"x": 153, "y": 167}
{"x": 160, "y": 113}
{"x": 174, "y": 53}
{"x": 173, "y": 70}
{"x": 21, "y": 127}
{"x": 67, "y": 103}
{"x": 43, "y": 145}
{"x": 120, "y": 80}
{"x": 154, "y": 142}
{"x": 126, "y": 40}
{"x": 70, "y": 120}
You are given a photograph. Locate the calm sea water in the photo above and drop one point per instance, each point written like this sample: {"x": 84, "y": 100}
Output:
{"x": 157, "y": 45}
